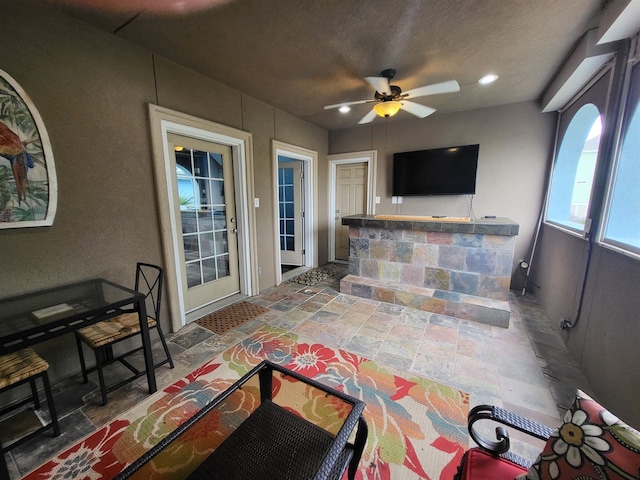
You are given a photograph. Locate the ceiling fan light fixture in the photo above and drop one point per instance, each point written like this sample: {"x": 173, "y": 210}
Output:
{"x": 388, "y": 108}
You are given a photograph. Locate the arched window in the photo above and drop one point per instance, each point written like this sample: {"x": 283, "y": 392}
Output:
{"x": 622, "y": 222}
{"x": 572, "y": 180}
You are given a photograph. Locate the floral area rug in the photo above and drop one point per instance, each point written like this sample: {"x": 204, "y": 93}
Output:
{"x": 417, "y": 427}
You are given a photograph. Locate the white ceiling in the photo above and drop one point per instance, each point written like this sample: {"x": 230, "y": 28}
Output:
{"x": 299, "y": 55}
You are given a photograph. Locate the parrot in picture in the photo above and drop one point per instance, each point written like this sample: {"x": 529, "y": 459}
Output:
{"x": 14, "y": 150}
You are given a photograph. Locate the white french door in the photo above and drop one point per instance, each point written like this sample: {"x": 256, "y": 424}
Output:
{"x": 350, "y": 199}
{"x": 290, "y": 209}
{"x": 204, "y": 204}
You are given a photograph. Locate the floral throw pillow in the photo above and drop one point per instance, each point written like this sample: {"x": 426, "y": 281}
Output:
{"x": 590, "y": 444}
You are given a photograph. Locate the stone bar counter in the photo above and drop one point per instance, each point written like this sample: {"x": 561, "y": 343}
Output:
{"x": 454, "y": 266}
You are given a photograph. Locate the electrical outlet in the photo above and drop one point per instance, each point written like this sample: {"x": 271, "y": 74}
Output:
{"x": 259, "y": 270}
{"x": 565, "y": 324}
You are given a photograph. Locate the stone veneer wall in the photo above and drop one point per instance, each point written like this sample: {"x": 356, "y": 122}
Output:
{"x": 468, "y": 263}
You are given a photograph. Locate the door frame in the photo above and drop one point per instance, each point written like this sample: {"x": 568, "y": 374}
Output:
{"x": 310, "y": 161}
{"x": 164, "y": 121}
{"x": 370, "y": 157}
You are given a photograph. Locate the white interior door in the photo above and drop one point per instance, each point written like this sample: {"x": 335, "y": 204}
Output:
{"x": 290, "y": 208}
{"x": 204, "y": 200}
{"x": 351, "y": 199}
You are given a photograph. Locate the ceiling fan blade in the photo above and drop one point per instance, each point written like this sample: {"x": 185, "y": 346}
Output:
{"x": 368, "y": 118}
{"x": 449, "y": 86}
{"x": 381, "y": 84}
{"x": 417, "y": 109}
{"x": 338, "y": 105}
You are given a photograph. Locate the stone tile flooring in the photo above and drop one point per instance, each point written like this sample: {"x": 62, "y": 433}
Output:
{"x": 525, "y": 368}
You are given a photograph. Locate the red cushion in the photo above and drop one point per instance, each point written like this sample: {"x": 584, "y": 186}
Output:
{"x": 480, "y": 465}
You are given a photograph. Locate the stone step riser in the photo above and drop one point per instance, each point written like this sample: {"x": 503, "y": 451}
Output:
{"x": 467, "y": 307}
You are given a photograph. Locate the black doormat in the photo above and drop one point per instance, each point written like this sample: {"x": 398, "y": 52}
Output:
{"x": 315, "y": 275}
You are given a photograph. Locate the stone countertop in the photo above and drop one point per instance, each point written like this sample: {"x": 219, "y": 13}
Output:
{"x": 486, "y": 226}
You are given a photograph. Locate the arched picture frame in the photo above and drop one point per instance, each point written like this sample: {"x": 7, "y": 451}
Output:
{"x": 28, "y": 184}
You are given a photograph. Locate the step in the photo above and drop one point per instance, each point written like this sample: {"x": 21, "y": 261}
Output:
{"x": 467, "y": 307}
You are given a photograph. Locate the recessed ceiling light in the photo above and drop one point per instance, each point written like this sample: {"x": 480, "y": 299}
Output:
{"x": 344, "y": 109}
{"x": 487, "y": 79}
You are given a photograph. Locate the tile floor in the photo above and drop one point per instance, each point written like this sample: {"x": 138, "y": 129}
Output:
{"x": 525, "y": 368}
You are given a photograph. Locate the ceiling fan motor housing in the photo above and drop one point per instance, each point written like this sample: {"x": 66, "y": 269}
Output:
{"x": 389, "y": 73}
{"x": 395, "y": 93}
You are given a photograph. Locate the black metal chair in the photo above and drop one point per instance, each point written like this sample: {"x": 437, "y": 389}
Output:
{"x": 492, "y": 459}
{"x": 102, "y": 336}
{"x": 18, "y": 368}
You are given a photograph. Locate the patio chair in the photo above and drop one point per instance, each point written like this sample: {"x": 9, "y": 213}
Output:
{"x": 591, "y": 443}
{"x": 19, "y": 368}
{"x": 102, "y": 336}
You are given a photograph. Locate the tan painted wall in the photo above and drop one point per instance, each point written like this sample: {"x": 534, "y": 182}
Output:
{"x": 515, "y": 144}
{"x": 92, "y": 90}
{"x": 606, "y": 336}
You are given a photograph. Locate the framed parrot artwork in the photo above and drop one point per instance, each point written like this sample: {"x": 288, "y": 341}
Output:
{"x": 28, "y": 185}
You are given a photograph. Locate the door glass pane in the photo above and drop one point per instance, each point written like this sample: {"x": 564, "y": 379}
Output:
{"x": 223, "y": 265}
{"x": 217, "y": 192}
{"x": 209, "y": 271}
{"x": 191, "y": 251}
{"x": 193, "y": 274}
{"x": 219, "y": 219}
{"x": 200, "y": 178}
{"x": 205, "y": 220}
{"x": 206, "y": 245}
{"x": 221, "y": 243}
{"x": 286, "y": 208}
{"x": 215, "y": 164}
{"x": 188, "y": 222}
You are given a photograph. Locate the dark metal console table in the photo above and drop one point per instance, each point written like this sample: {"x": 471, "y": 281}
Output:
{"x": 273, "y": 442}
{"x": 39, "y": 316}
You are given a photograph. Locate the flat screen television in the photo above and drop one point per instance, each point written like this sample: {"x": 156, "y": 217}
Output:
{"x": 438, "y": 171}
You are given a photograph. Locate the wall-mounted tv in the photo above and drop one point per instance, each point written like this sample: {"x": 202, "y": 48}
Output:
{"x": 438, "y": 171}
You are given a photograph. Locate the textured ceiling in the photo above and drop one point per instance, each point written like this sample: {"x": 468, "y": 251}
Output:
{"x": 299, "y": 55}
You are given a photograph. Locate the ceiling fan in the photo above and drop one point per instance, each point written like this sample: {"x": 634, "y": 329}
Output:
{"x": 390, "y": 98}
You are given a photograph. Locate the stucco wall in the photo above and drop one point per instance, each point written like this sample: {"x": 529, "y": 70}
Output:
{"x": 606, "y": 336}
{"x": 92, "y": 90}
{"x": 515, "y": 144}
